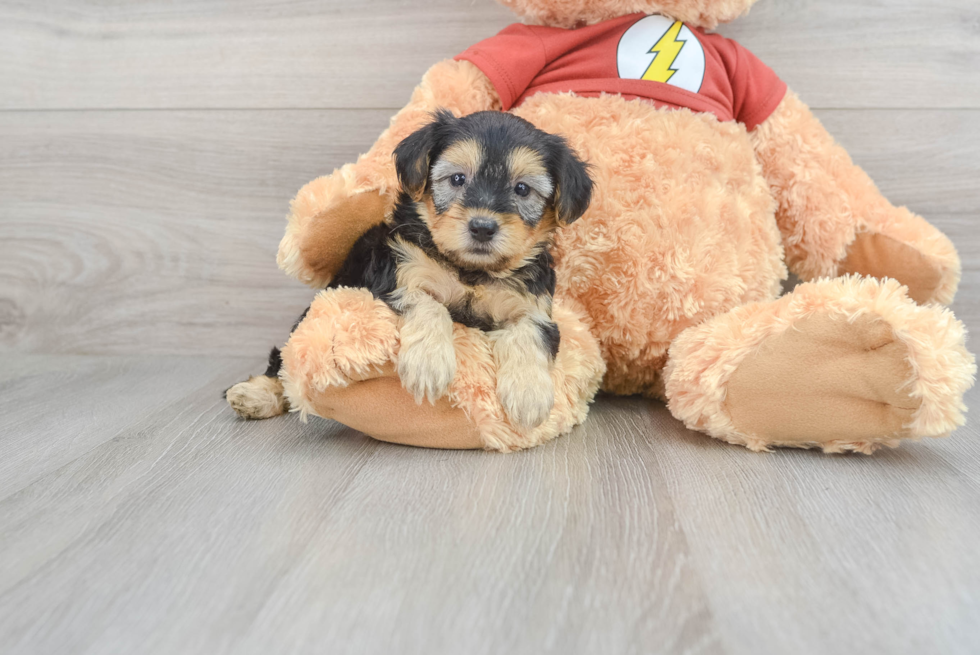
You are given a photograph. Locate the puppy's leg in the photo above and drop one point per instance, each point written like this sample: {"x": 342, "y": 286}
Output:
{"x": 525, "y": 351}
{"x": 260, "y": 396}
{"x": 426, "y": 359}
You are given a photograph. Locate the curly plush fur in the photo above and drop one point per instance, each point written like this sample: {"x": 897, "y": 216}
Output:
{"x": 572, "y": 13}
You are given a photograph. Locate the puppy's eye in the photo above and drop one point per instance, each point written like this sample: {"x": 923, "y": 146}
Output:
{"x": 458, "y": 179}
{"x": 522, "y": 189}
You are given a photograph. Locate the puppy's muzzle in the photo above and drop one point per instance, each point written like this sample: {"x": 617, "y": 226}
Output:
{"x": 483, "y": 229}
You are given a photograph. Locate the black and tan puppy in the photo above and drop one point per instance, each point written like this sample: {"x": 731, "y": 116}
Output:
{"x": 480, "y": 200}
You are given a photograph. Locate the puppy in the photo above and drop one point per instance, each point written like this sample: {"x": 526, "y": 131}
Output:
{"x": 468, "y": 242}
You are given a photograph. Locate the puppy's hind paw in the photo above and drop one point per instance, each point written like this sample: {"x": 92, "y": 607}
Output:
{"x": 258, "y": 397}
{"x": 427, "y": 370}
{"x": 528, "y": 395}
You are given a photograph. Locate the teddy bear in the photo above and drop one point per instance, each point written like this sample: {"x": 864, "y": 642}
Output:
{"x": 713, "y": 182}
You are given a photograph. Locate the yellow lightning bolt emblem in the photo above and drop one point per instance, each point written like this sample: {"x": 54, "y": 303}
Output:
{"x": 665, "y": 52}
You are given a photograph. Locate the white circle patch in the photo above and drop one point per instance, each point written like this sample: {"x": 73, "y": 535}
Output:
{"x": 660, "y": 49}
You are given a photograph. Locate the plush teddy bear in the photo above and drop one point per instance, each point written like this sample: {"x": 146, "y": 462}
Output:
{"x": 711, "y": 180}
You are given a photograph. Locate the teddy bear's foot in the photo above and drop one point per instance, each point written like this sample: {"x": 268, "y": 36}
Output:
{"x": 929, "y": 267}
{"x": 258, "y": 397}
{"x": 828, "y": 377}
{"x": 843, "y": 364}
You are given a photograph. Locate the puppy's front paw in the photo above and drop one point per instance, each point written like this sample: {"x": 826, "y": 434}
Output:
{"x": 427, "y": 369}
{"x": 527, "y": 395}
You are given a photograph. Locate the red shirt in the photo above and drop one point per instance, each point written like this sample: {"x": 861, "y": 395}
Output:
{"x": 638, "y": 56}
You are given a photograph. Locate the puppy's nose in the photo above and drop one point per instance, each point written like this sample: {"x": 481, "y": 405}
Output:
{"x": 482, "y": 229}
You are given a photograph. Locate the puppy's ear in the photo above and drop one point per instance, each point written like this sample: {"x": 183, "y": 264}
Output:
{"x": 573, "y": 186}
{"x": 414, "y": 154}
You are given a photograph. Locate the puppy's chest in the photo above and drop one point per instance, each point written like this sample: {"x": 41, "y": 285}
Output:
{"x": 475, "y": 300}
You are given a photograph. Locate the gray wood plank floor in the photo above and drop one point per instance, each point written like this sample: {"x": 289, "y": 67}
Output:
{"x": 147, "y": 154}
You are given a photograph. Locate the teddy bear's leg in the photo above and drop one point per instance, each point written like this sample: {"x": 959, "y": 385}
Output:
{"x": 331, "y": 212}
{"x": 842, "y": 364}
{"x": 834, "y": 220}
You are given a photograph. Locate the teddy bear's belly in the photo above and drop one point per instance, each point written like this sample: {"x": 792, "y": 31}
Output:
{"x": 681, "y": 227}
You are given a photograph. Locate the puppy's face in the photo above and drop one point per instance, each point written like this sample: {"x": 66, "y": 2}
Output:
{"x": 489, "y": 204}
{"x": 494, "y": 186}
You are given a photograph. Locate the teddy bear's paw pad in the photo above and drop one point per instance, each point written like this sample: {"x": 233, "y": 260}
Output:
{"x": 879, "y": 255}
{"x": 427, "y": 369}
{"x": 328, "y": 237}
{"x": 826, "y": 381}
{"x": 258, "y": 397}
{"x": 527, "y": 395}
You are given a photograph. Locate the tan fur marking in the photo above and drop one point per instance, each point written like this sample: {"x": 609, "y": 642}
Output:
{"x": 422, "y": 171}
{"x": 544, "y": 231}
{"x": 466, "y": 154}
{"x": 522, "y": 161}
{"x": 418, "y": 271}
{"x": 559, "y": 219}
{"x": 503, "y": 303}
{"x": 515, "y": 241}
{"x": 449, "y": 230}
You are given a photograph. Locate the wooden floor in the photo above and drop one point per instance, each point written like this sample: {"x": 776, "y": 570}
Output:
{"x": 147, "y": 153}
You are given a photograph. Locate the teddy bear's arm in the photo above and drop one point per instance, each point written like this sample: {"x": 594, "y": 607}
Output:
{"x": 329, "y": 214}
{"x": 834, "y": 220}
